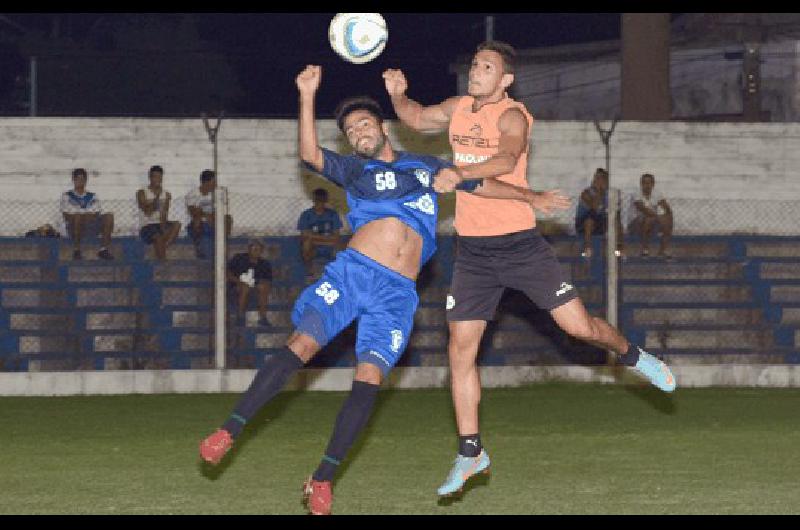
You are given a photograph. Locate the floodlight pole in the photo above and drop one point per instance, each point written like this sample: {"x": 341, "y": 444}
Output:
{"x": 612, "y": 272}
{"x": 220, "y": 210}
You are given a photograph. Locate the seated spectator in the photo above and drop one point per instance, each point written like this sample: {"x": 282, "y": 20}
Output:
{"x": 652, "y": 213}
{"x": 200, "y": 203}
{"x": 319, "y": 229}
{"x": 84, "y": 217}
{"x": 245, "y": 271}
{"x": 154, "y": 203}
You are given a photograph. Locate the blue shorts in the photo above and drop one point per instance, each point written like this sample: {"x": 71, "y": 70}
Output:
{"x": 357, "y": 287}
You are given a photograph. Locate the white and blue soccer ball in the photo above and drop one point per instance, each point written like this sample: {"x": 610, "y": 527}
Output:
{"x": 358, "y": 37}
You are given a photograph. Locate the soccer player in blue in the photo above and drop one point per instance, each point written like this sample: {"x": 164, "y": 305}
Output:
{"x": 393, "y": 212}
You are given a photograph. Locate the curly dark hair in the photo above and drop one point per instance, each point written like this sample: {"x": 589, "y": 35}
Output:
{"x": 357, "y": 103}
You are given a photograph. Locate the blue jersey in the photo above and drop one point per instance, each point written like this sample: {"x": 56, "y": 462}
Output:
{"x": 401, "y": 189}
{"x": 323, "y": 224}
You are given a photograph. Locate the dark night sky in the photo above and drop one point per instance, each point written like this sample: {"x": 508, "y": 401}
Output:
{"x": 272, "y": 47}
{"x": 423, "y": 45}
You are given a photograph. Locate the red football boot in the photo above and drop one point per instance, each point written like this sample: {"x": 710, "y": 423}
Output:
{"x": 318, "y": 496}
{"x": 213, "y": 448}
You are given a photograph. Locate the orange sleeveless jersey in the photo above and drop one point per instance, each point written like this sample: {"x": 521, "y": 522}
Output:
{"x": 474, "y": 137}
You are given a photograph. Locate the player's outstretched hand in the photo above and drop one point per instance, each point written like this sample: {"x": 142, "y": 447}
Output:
{"x": 396, "y": 84}
{"x": 446, "y": 180}
{"x": 548, "y": 201}
{"x": 308, "y": 80}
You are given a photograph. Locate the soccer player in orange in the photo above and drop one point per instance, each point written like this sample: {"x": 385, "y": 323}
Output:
{"x": 490, "y": 135}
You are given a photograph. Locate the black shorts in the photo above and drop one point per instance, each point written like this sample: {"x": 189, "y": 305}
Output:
{"x": 600, "y": 222}
{"x": 149, "y": 232}
{"x": 485, "y": 266}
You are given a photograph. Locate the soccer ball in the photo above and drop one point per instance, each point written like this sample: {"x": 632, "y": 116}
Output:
{"x": 358, "y": 37}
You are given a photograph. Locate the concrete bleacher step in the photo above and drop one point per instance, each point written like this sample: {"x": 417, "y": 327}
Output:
{"x": 680, "y": 248}
{"x": 33, "y": 298}
{"x": 105, "y": 273}
{"x": 61, "y": 344}
{"x": 137, "y": 362}
{"x": 28, "y": 273}
{"x": 187, "y": 296}
{"x": 709, "y": 339}
{"x": 790, "y": 316}
{"x": 646, "y": 316}
{"x": 652, "y": 270}
{"x": 177, "y": 251}
{"x": 192, "y": 319}
{"x": 125, "y": 343}
{"x": 784, "y": 294}
{"x": 24, "y": 251}
{"x": 773, "y": 249}
{"x": 107, "y": 297}
{"x": 779, "y": 271}
{"x": 688, "y": 294}
{"x": 529, "y": 338}
{"x": 688, "y": 357}
{"x": 117, "y": 321}
{"x": 89, "y": 252}
{"x": 40, "y": 322}
{"x": 183, "y": 272}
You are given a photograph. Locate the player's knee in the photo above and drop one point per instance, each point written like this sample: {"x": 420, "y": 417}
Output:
{"x": 368, "y": 373}
{"x": 304, "y": 346}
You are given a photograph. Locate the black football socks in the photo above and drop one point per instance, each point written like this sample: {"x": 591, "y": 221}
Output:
{"x": 470, "y": 445}
{"x": 630, "y": 357}
{"x": 269, "y": 380}
{"x": 352, "y": 419}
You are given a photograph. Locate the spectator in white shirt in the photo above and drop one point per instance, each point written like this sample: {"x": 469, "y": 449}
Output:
{"x": 653, "y": 213}
{"x": 154, "y": 202}
{"x": 83, "y": 216}
{"x": 200, "y": 203}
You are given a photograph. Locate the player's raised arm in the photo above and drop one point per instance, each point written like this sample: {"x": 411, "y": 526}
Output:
{"x": 308, "y": 148}
{"x": 433, "y": 118}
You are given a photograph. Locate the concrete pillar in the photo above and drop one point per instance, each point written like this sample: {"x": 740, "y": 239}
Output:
{"x": 645, "y": 66}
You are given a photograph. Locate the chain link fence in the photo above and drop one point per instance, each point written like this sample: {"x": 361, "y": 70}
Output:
{"x": 728, "y": 292}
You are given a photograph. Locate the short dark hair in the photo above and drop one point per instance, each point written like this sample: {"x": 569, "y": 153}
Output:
{"x": 79, "y": 171}
{"x": 647, "y": 175}
{"x": 321, "y": 194}
{"x": 357, "y": 103}
{"x": 207, "y": 175}
{"x": 154, "y": 169}
{"x": 505, "y": 50}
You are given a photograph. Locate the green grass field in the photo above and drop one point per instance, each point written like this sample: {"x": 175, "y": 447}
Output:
{"x": 556, "y": 449}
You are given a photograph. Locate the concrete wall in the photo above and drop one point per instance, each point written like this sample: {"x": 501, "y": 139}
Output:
{"x": 341, "y": 379}
{"x": 719, "y": 176}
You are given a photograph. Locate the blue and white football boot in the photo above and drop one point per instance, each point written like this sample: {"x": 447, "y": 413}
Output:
{"x": 655, "y": 370}
{"x": 464, "y": 468}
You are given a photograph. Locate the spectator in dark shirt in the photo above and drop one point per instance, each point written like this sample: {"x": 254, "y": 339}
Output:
{"x": 248, "y": 270}
{"x": 319, "y": 229}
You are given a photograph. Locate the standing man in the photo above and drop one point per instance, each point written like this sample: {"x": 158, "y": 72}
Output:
{"x": 489, "y": 133}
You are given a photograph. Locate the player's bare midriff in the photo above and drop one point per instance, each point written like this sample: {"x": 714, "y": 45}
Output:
{"x": 392, "y": 243}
